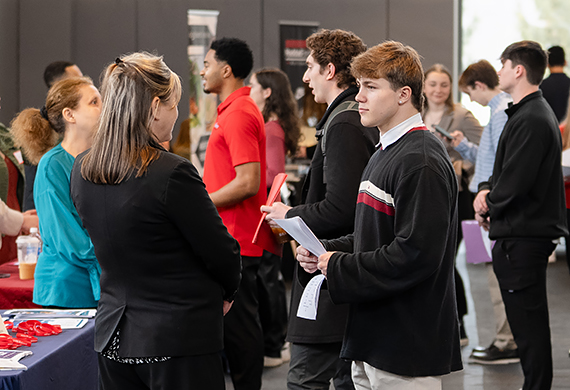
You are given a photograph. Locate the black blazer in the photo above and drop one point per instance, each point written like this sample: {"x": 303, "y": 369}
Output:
{"x": 167, "y": 260}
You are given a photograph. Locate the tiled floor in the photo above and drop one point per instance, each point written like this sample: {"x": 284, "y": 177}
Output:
{"x": 479, "y": 325}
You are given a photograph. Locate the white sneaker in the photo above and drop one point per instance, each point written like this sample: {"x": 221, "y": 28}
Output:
{"x": 286, "y": 352}
{"x": 552, "y": 257}
{"x": 271, "y": 362}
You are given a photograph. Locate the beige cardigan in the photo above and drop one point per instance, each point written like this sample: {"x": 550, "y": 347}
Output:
{"x": 10, "y": 221}
{"x": 463, "y": 120}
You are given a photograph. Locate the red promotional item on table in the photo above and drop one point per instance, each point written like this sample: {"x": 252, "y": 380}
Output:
{"x": 9, "y": 342}
{"x": 37, "y": 328}
{"x": 26, "y": 332}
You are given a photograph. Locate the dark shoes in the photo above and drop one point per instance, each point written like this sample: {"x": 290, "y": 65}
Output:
{"x": 494, "y": 355}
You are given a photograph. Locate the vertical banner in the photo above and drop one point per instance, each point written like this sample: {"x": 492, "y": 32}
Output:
{"x": 201, "y": 32}
{"x": 294, "y": 51}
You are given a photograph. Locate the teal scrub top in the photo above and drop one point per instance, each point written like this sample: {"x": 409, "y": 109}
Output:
{"x": 67, "y": 273}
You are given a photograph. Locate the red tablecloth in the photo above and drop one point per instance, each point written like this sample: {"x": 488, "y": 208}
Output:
{"x": 15, "y": 293}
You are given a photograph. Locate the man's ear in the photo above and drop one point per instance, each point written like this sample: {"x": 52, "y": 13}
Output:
{"x": 480, "y": 85}
{"x": 330, "y": 71}
{"x": 520, "y": 71}
{"x": 405, "y": 94}
{"x": 226, "y": 71}
{"x": 67, "y": 114}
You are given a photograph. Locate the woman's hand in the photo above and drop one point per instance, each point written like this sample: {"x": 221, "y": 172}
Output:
{"x": 30, "y": 220}
{"x": 457, "y": 138}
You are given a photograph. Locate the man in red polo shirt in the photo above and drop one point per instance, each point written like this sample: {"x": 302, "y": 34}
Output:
{"x": 234, "y": 174}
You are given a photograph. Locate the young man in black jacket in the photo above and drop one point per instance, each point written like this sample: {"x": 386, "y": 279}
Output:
{"x": 523, "y": 205}
{"x": 396, "y": 270}
{"x": 329, "y": 198}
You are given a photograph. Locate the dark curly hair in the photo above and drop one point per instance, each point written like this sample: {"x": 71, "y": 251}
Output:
{"x": 236, "y": 53}
{"x": 337, "y": 47}
{"x": 282, "y": 103}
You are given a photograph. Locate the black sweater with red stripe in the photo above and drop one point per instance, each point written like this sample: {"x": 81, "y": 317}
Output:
{"x": 398, "y": 273}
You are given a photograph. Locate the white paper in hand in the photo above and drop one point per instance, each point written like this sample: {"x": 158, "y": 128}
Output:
{"x": 298, "y": 229}
{"x": 566, "y": 158}
{"x": 310, "y": 299}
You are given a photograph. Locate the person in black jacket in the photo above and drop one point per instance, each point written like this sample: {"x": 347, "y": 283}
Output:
{"x": 169, "y": 267}
{"x": 329, "y": 198}
{"x": 523, "y": 206}
{"x": 556, "y": 87}
{"x": 396, "y": 270}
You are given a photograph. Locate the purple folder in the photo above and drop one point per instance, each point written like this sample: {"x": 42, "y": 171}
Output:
{"x": 477, "y": 243}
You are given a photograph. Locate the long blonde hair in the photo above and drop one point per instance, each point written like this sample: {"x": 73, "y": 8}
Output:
{"x": 36, "y": 133}
{"x": 124, "y": 140}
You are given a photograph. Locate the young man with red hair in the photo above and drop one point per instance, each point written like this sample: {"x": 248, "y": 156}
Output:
{"x": 396, "y": 269}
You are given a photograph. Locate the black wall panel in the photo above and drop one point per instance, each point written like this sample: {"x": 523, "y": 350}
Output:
{"x": 9, "y": 59}
{"x": 93, "y": 33}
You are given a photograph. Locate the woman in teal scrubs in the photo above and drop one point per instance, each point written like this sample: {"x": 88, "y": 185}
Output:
{"x": 67, "y": 274}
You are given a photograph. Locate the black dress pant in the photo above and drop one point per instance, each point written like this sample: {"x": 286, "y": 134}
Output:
{"x": 464, "y": 211}
{"x": 201, "y": 372}
{"x": 314, "y": 365}
{"x": 272, "y": 304}
{"x": 520, "y": 266}
{"x": 243, "y": 337}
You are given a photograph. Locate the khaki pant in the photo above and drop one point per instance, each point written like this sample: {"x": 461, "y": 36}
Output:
{"x": 504, "y": 338}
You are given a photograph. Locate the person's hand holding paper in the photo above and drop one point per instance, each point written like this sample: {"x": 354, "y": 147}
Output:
{"x": 301, "y": 233}
{"x": 312, "y": 263}
{"x": 276, "y": 211}
{"x": 307, "y": 254}
{"x": 307, "y": 260}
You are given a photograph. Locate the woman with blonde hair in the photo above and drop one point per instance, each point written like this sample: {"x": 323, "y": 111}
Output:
{"x": 441, "y": 111}
{"x": 170, "y": 269}
{"x": 67, "y": 272}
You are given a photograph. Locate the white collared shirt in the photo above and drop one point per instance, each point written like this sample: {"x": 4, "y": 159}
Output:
{"x": 395, "y": 133}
